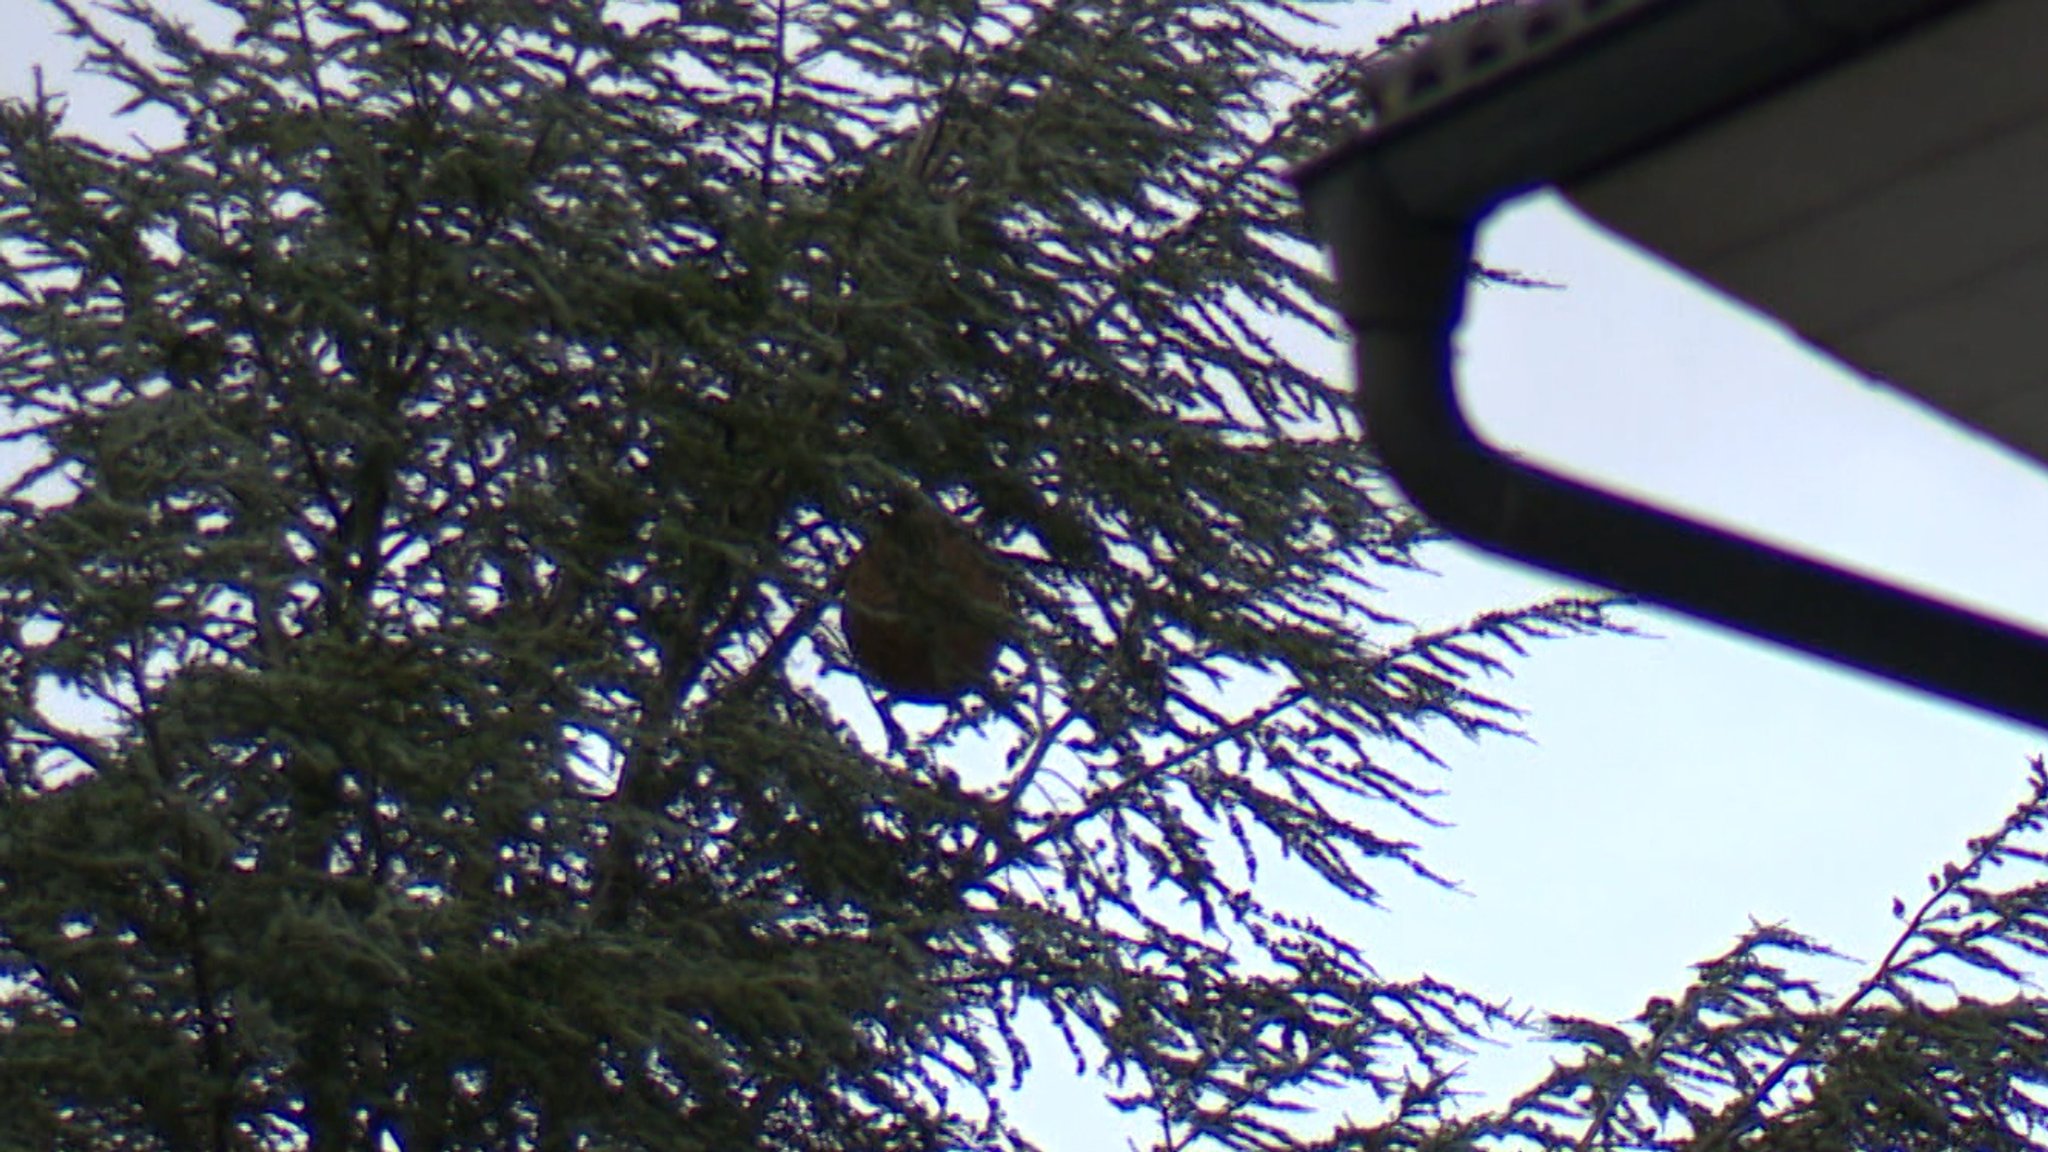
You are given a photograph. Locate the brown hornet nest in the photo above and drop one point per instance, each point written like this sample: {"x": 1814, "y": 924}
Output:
{"x": 924, "y": 607}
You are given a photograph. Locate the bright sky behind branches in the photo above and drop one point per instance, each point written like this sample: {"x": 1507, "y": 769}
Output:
{"x": 1672, "y": 787}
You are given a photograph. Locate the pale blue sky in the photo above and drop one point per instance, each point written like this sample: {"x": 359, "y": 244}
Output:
{"x": 1673, "y": 787}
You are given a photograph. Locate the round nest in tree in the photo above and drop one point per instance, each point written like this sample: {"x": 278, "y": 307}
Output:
{"x": 924, "y": 608}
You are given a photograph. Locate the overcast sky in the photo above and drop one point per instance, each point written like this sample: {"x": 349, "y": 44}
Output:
{"x": 1673, "y": 787}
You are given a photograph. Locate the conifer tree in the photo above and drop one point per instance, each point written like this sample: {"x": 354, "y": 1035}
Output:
{"x": 428, "y": 718}
{"x": 1942, "y": 1046}
{"x": 438, "y": 476}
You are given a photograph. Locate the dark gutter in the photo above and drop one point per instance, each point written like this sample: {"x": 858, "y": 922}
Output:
{"x": 1400, "y": 207}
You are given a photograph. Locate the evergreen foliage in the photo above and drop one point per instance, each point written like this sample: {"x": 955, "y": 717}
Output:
{"x": 451, "y": 446}
{"x": 1942, "y": 1046}
{"x": 427, "y": 719}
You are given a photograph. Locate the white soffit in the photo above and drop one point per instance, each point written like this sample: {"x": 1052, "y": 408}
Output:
{"x": 1892, "y": 212}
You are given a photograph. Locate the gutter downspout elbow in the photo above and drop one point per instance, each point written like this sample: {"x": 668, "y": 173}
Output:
{"x": 1402, "y": 277}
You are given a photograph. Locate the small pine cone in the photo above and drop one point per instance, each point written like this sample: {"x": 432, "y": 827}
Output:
{"x": 924, "y": 608}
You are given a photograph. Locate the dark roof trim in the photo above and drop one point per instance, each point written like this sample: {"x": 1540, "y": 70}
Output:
{"x": 1400, "y": 208}
{"x": 1526, "y": 93}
